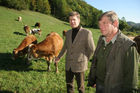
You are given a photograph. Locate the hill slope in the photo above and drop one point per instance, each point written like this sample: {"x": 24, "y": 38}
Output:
{"x": 18, "y": 77}
{"x": 135, "y": 25}
{"x": 9, "y": 24}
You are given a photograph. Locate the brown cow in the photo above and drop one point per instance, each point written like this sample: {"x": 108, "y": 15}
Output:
{"x": 48, "y": 48}
{"x": 64, "y": 33}
{"x": 27, "y": 29}
{"x": 22, "y": 49}
{"x": 137, "y": 40}
{"x": 37, "y": 24}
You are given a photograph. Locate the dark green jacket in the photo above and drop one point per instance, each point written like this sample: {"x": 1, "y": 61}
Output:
{"x": 121, "y": 67}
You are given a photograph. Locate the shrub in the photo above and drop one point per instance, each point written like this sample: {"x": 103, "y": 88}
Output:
{"x": 16, "y": 4}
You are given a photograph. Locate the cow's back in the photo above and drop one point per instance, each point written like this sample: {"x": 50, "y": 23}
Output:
{"x": 57, "y": 43}
{"x": 27, "y": 40}
{"x": 52, "y": 44}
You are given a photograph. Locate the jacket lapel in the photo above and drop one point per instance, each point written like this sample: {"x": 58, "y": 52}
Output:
{"x": 70, "y": 38}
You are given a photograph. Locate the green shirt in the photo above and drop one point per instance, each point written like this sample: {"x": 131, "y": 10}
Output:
{"x": 101, "y": 62}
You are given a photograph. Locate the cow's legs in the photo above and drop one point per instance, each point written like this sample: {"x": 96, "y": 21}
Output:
{"x": 29, "y": 58}
{"x": 48, "y": 63}
{"x": 56, "y": 67}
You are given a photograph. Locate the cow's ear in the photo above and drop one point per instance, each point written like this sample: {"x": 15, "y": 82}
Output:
{"x": 15, "y": 51}
{"x": 31, "y": 45}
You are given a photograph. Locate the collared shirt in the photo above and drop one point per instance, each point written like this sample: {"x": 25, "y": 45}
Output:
{"x": 113, "y": 39}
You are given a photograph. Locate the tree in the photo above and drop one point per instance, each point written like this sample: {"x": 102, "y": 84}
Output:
{"x": 123, "y": 19}
{"x": 32, "y": 5}
{"x": 16, "y": 4}
{"x": 46, "y": 7}
{"x": 123, "y": 25}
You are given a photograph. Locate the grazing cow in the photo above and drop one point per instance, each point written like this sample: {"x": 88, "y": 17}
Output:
{"x": 19, "y": 18}
{"x": 27, "y": 29}
{"x": 22, "y": 49}
{"x": 64, "y": 33}
{"x": 36, "y": 31}
{"x": 37, "y": 24}
{"x": 137, "y": 40}
{"x": 48, "y": 49}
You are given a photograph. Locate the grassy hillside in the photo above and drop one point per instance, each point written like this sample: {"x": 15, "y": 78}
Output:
{"x": 17, "y": 76}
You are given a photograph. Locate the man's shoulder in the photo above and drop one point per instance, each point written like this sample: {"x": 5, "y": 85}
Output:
{"x": 84, "y": 30}
{"x": 69, "y": 31}
{"x": 124, "y": 40}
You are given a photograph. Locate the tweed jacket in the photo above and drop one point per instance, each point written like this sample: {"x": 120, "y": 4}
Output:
{"x": 78, "y": 53}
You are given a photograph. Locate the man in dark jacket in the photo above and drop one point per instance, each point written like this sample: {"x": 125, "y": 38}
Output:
{"x": 114, "y": 67}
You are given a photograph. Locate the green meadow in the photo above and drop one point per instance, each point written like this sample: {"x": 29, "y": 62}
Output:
{"x": 19, "y": 77}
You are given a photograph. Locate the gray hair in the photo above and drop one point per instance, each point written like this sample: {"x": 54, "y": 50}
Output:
{"x": 74, "y": 13}
{"x": 111, "y": 15}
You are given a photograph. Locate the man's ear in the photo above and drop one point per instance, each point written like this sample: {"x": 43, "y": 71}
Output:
{"x": 116, "y": 23}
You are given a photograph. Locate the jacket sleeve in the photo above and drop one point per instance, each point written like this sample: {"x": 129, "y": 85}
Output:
{"x": 92, "y": 74}
{"x": 90, "y": 46}
{"x": 131, "y": 60}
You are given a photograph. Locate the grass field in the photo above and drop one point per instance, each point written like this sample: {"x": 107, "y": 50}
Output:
{"x": 17, "y": 76}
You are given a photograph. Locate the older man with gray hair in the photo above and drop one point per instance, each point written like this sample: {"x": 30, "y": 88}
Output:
{"x": 114, "y": 67}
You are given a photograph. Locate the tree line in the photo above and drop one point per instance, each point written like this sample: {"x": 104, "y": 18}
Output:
{"x": 61, "y": 8}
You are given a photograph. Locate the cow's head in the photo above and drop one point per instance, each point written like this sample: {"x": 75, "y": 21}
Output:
{"x": 18, "y": 53}
{"x": 39, "y": 32}
{"x": 15, "y": 54}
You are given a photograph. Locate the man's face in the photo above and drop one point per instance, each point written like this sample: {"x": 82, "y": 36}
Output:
{"x": 106, "y": 26}
{"x": 74, "y": 21}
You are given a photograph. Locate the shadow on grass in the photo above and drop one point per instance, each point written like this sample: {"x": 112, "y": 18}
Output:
{"x": 18, "y": 33}
{"x": 6, "y": 63}
{"x": 5, "y": 91}
{"x": 20, "y": 64}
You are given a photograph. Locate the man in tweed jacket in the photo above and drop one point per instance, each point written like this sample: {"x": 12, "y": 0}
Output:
{"x": 78, "y": 46}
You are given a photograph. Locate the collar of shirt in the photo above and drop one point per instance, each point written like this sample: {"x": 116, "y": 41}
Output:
{"x": 113, "y": 39}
